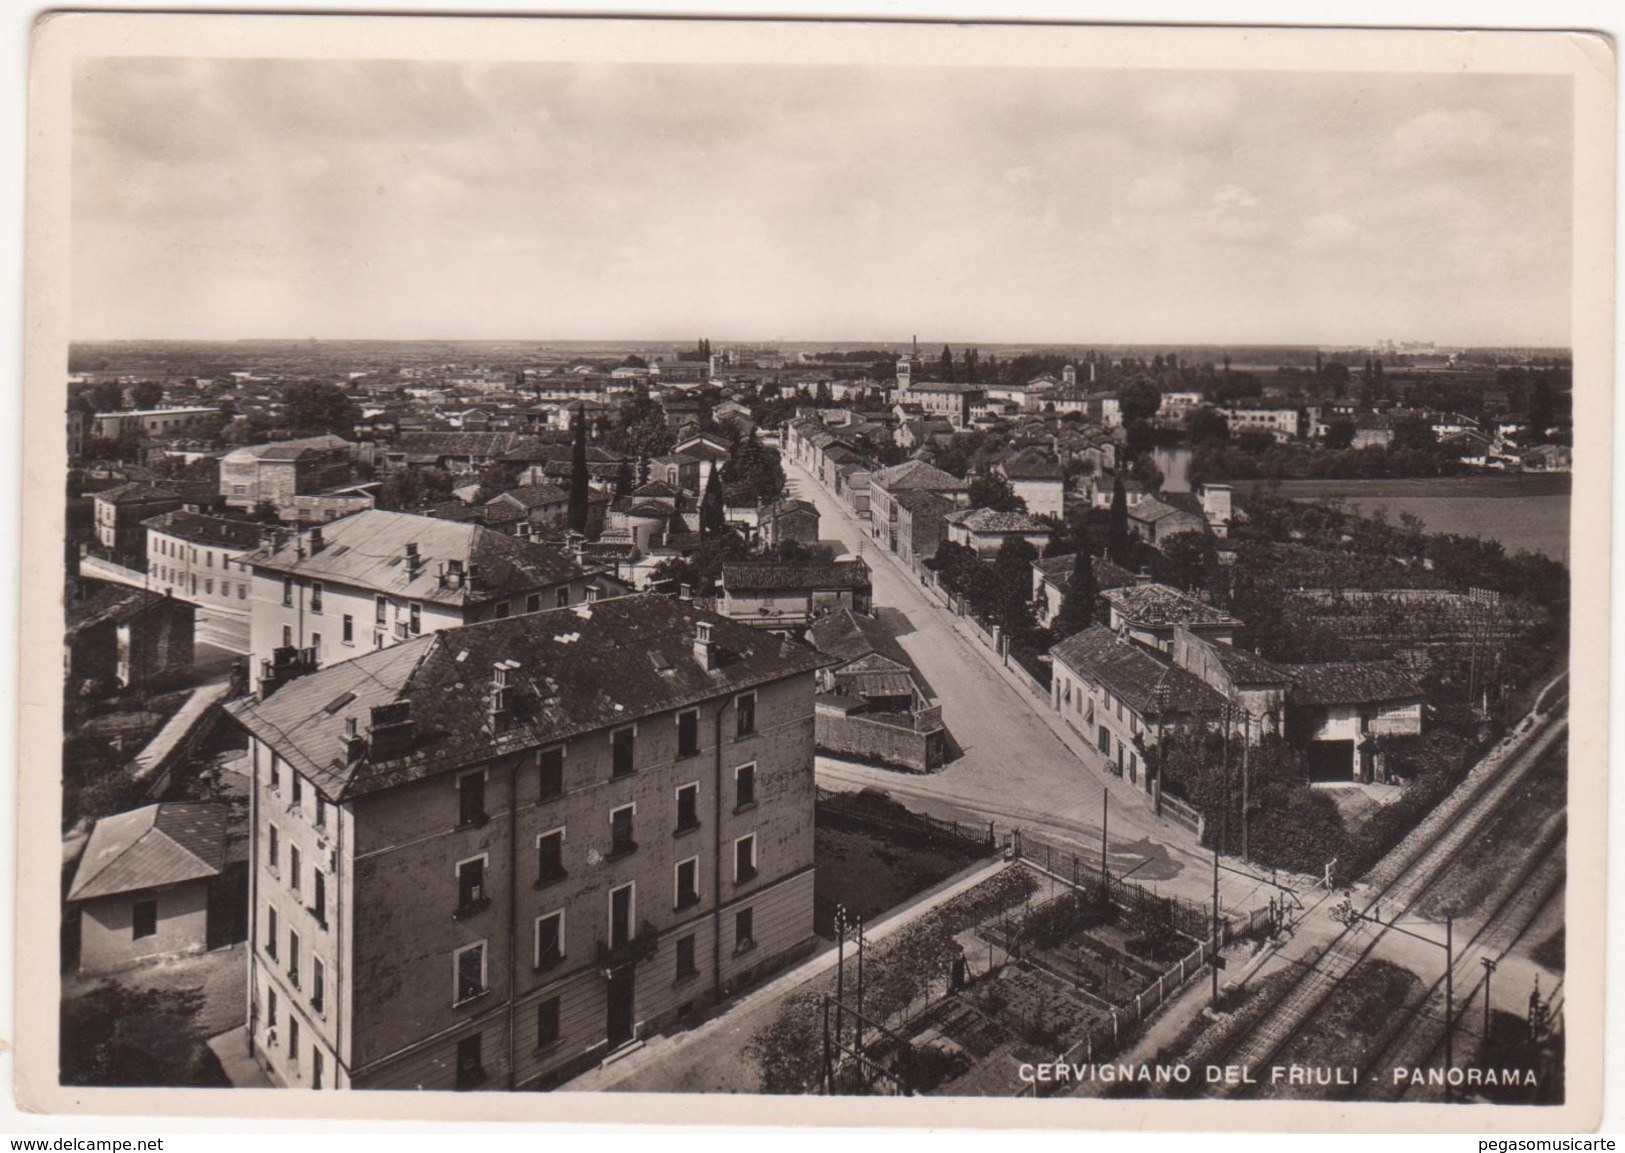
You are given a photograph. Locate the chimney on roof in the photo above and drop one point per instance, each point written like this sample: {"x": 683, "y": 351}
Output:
{"x": 392, "y": 731}
{"x": 705, "y": 649}
{"x": 685, "y": 591}
{"x": 354, "y": 746}
{"x": 317, "y": 543}
{"x": 413, "y": 560}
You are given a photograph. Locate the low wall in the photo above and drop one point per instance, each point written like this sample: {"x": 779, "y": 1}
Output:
{"x": 867, "y": 739}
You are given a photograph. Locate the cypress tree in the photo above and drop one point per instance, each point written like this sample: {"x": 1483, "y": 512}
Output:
{"x": 1117, "y": 525}
{"x": 578, "y": 476}
{"x": 711, "y": 514}
{"x": 1078, "y": 605}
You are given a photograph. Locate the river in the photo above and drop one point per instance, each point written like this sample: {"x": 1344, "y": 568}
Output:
{"x": 1522, "y": 511}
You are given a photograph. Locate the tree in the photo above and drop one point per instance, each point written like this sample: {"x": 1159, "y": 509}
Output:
{"x": 992, "y": 490}
{"x": 712, "y": 520}
{"x": 147, "y": 394}
{"x": 1189, "y": 560}
{"x": 313, "y": 407}
{"x": 1078, "y": 605}
{"x": 1340, "y": 435}
{"x": 1139, "y": 400}
{"x": 1117, "y": 544}
{"x": 625, "y": 479}
{"x": 106, "y": 397}
{"x": 945, "y": 367}
{"x": 1542, "y": 408}
{"x": 1209, "y": 426}
{"x": 577, "y": 518}
{"x": 1415, "y": 434}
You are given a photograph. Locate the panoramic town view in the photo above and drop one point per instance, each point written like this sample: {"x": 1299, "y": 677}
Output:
{"x": 893, "y": 713}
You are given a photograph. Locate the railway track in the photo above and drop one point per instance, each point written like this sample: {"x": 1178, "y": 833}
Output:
{"x": 1451, "y": 827}
{"x": 1418, "y": 1042}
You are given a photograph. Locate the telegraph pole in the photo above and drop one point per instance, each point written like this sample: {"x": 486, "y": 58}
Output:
{"x": 1449, "y": 997}
{"x": 1489, "y": 968}
{"x": 840, "y": 969}
{"x": 1215, "y": 996}
{"x": 1105, "y": 814}
{"x": 1246, "y": 742}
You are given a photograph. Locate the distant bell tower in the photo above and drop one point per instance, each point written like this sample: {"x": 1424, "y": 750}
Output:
{"x": 1069, "y": 375}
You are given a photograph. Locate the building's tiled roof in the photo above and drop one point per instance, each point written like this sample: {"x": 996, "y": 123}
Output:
{"x": 917, "y": 501}
{"x": 656, "y": 488}
{"x": 1247, "y": 668}
{"x": 156, "y": 845}
{"x": 114, "y": 603}
{"x": 135, "y": 492}
{"x": 533, "y": 496}
{"x": 1058, "y": 571}
{"x": 1351, "y": 682}
{"x": 993, "y": 520}
{"x": 285, "y": 450}
{"x": 786, "y": 506}
{"x": 196, "y": 528}
{"x": 1159, "y": 606}
{"x": 368, "y": 551}
{"x": 756, "y": 575}
{"x": 849, "y": 636}
{"x": 580, "y": 669}
{"x": 1031, "y": 465}
{"x": 438, "y": 444}
{"x": 1147, "y": 684}
{"x": 1151, "y": 510}
{"x": 917, "y": 475}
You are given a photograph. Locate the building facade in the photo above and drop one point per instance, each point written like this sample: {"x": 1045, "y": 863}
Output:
{"x": 541, "y": 839}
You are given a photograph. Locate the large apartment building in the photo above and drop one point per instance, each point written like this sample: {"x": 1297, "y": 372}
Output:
{"x": 488, "y": 857}
{"x": 331, "y": 592}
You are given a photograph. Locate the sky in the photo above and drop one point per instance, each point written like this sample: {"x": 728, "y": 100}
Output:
{"x": 226, "y": 199}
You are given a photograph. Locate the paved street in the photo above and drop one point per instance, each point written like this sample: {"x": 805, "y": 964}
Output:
{"x": 1015, "y": 768}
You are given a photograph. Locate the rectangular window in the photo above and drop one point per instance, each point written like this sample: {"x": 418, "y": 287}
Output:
{"x": 144, "y": 920}
{"x": 315, "y": 1067}
{"x": 315, "y": 596}
{"x": 471, "y": 886}
{"x": 688, "y": 807}
{"x": 620, "y": 916}
{"x": 744, "y": 925}
{"x": 208, "y": 558}
{"x": 270, "y": 931}
{"x": 470, "y": 1068}
{"x": 415, "y": 617}
{"x": 316, "y": 643}
{"x": 321, "y": 811}
{"x": 270, "y": 1006}
{"x": 298, "y": 783}
{"x": 745, "y": 859}
{"x": 686, "y": 965}
{"x": 349, "y": 629}
{"x": 688, "y": 733}
{"x": 533, "y": 603}
{"x": 208, "y": 586}
{"x": 547, "y": 1022}
{"x": 688, "y": 883}
{"x": 293, "y": 958}
{"x": 276, "y": 771}
{"x": 471, "y": 799}
{"x": 273, "y": 850}
{"x": 287, "y": 592}
{"x": 562, "y": 597}
{"x": 622, "y": 743}
{"x": 550, "y": 940}
{"x": 380, "y": 606}
{"x": 620, "y": 831}
{"x": 318, "y": 983}
{"x": 550, "y": 857}
{"x": 242, "y": 591}
{"x": 318, "y": 905}
{"x": 293, "y": 868}
{"x": 470, "y": 971}
{"x": 287, "y": 636}
{"x": 551, "y": 764}
{"x": 501, "y": 610}
{"x": 744, "y": 786}
{"x": 745, "y": 710}
{"x": 293, "y": 1040}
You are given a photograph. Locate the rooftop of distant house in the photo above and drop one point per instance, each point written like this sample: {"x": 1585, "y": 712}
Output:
{"x": 153, "y": 846}
{"x": 994, "y": 520}
{"x": 1352, "y": 682}
{"x": 1148, "y": 683}
{"x": 375, "y": 549}
{"x": 776, "y": 575}
{"x": 200, "y": 529}
{"x": 1160, "y": 606}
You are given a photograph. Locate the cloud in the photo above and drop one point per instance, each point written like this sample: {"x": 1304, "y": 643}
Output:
{"x": 1325, "y": 232}
{"x": 1442, "y": 136}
